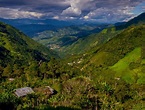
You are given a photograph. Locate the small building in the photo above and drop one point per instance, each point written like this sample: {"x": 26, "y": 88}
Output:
{"x": 20, "y": 92}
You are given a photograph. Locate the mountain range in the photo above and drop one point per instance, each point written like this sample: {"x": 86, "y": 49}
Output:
{"x": 33, "y": 26}
{"x": 63, "y": 38}
{"x": 101, "y": 67}
{"x": 70, "y": 41}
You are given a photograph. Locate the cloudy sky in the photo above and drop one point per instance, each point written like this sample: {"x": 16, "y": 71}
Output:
{"x": 88, "y": 10}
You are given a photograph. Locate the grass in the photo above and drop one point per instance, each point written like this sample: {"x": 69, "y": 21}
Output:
{"x": 141, "y": 79}
{"x": 122, "y": 67}
{"x": 100, "y": 58}
{"x": 128, "y": 76}
{"x": 143, "y": 61}
{"x": 104, "y": 31}
{"x": 122, "y": 64}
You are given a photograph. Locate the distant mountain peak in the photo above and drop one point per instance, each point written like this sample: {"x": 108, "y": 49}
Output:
{"x": 137, "y": 20}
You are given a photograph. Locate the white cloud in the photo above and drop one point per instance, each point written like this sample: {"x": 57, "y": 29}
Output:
{"x": 114, "y": 14}
{"x": 125, "y": 10}
{"x": 77, "y": 6}
{"x": 99, "y": 10}
{"x": 72, "y": 11}
{"x": 86, "y": 17}
{"x": 143, "y": 7}
{"x": 56, "y": 17}
{"x": 102, "y": 10}
{"x": 16, "y": 13}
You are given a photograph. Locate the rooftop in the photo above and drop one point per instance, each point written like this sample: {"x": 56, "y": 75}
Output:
{"x": 20, "y": 92}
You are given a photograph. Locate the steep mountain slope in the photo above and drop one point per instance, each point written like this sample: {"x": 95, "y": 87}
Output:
{"x": 96, "y": 80}
{"x": 124, "y": 54}
{"x": 86, "y": 43}
{"x": 137, "y": 20}
{"x": 91, "y": 41}
{"x": 140, "y": 19}
{"x": 15, "y": 46}
{"x": 77, "y": 40}
{"x": 62, "y": 38}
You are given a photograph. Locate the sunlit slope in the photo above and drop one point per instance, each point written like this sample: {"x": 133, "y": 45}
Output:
{"x": 124, "y": 54}
{"x": 20, "y": 47}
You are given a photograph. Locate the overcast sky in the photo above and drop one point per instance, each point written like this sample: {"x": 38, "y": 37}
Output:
{"x": 89, "y": 10}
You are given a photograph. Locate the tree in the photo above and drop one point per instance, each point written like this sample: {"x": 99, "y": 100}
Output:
{"x": 34, "y": 68}
{"x": 17, "y": 70}
{"x": 43, "y": 69}
{"x": 8, "y": 101}
{"x": 1, "y": 71}
{"x": 7, "y": 71}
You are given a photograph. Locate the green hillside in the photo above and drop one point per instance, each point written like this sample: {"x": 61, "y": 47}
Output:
{"x": 123, "y": 54}
{"x": 91, "y": 41}
{"x": 79, "y": 39}
{"x": 76, "y": 40}
{"x": 108, "y": 76}
{"x": 17, "y": 47}
{"x": 63, "y": 39}
{"x": 118, "y": 68}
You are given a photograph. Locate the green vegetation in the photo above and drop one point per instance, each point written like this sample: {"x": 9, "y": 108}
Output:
{"x": 67, "y": 40}
{"x": 95, "y": 40}
{"x": 91, "y": 41}
{"x": 16, "y": 47}
{"x": 110, "y": 76}
{"x": 120, "y": 54}
{"x": 133, "y": 57}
